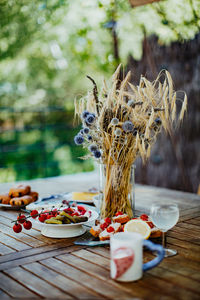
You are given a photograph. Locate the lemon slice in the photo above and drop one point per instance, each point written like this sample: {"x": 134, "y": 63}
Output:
{"x": 138, "y": 226}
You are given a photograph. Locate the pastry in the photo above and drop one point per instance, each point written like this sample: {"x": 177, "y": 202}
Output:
{"x": 121, "y": 219}
{"x": 4, "y": 199}
{"x": 34, "y": 195}
{"x": 19, "y": 191}
{"x": 21, "y": 201}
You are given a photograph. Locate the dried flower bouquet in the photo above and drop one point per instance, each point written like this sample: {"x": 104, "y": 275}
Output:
{"x": 120, "y": 123}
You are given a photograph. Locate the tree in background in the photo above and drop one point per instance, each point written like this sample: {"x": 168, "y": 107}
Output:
{"x": 47, "y": 48}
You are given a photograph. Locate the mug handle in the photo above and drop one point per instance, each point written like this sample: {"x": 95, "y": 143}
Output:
{"x": 154, "y": 262}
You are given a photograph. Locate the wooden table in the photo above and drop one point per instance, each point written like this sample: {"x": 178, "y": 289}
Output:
{"x": 33, "y": 266}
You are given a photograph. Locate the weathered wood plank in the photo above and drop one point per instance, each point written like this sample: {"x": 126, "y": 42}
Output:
{"x": 14, "y": 289}
{"x": 3, "y": 296}
{"x": 105, "y": 286}
{"x": 22, "y": 237}
{"x": 182, "y": 237}
{"x": 68, "y": 286}
{"x": 34, "y": 283}
{"x": 34, "y": 251}
{"x": 192, "y": 221}
{"x": 5, "y": 249}
{"x": 13, "y": 243}
{"x": 192, "y": 227}
{"x": 37, "y": 257}
{"x": 147, "y": 283}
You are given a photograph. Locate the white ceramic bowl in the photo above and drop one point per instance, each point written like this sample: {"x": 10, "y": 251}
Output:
{"x": 66, "y": 230}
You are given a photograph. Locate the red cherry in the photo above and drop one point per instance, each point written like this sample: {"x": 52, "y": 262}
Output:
{"x": 107, "y": 220}
{"x": 17, "y": 228}
{"x": 34, "y": 213}
{"x": 119, "y": 213}
{"x": 42, "y": 218}
{"x": 110, "y": 229}
{"x": 144, "y": 217}
{"x": 21, "y": 218}
{"x": 27, "y": 225}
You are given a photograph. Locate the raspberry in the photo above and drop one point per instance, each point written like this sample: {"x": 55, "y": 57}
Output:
{"x": 17, "y": 228}
{"x": 119, "y": 213}
{"x": 21, "y": 218}
{"x": 107, "y": 220}
{"x": 110, "y": 229}
{"x": 42, "y": 218}
{"x": 144, "y": 217}
{"x": 34, "y": 213}
{"x": 27, "y": 225}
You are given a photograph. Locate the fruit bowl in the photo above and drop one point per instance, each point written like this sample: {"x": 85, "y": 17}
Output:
{"x": 66, "y": 230}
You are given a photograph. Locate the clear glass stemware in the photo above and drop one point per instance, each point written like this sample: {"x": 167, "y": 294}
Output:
{"x": 165, "y": 216}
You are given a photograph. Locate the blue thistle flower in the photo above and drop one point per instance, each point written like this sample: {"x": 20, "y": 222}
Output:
{"x": 86, "y": 130}
{"x": 89, "y": 138}
{"x": 78, "y": 139}
{"x": 114, "y": 121}
{"x": 97, "y": 154}
{"x": 90, "y": 118}
{"x": 81, "y": 131}
{"x": 128, "y": 126}
{"x": 93, "y": 148}
{"x": 158, "y": 121}
{"x": 85, "y": 114}
{"x": 118, "y": 132}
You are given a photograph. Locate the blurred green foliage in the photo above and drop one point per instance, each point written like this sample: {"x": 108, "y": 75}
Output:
{"x": 46, "y": 49}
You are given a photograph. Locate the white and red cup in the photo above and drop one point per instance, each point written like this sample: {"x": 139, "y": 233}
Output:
{"x": 127, "y": 256}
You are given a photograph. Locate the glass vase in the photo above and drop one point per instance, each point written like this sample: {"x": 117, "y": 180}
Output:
{"x": 117, "y": 185}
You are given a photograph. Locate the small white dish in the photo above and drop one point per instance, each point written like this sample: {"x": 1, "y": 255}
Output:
{"x": 66, "y": 230}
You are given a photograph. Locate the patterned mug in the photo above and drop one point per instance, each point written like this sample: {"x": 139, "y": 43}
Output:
{"x": 127, "y": 256}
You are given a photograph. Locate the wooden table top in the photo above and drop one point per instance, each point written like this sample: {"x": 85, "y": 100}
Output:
{"x": 34, "y": 266}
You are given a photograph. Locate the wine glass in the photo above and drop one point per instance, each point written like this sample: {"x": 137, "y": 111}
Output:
{"x": 165, "y": 216}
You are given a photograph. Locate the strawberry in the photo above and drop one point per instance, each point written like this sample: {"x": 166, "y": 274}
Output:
{"x": 104, "y": 225}
{"x": 119, "y": 213}
{"x": 17, "y": 228}
{"x": 34, "y": 213}
{"x": 27, "y": 225}
{"x": 81, "y": 209}
{"x": 144, "y": 217}
{"x": 107, "y": 220}
{"x": 21, "y": 218}
{"x": 42, "y": 217}
{"x": 110, "y": 229}
{"x": 151, "y": 225}
{"x": 76, "y": 214}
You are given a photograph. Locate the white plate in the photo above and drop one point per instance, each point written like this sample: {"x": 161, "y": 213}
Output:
{"x": 66, "y": 230}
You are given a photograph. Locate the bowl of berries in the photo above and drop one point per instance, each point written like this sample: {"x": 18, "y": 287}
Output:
{"x": 63, "y": 222}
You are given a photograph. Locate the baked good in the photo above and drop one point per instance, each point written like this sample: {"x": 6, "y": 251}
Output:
{"x": 110, "y": 230}
{"x": 34, "y": 195}
{"x": 4, "y": 199}
{"x": 121, "y": 219}
{"x": 19, "y": 191}
{"x": 21, "y": 201}
{"x": 96, "y": 230}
